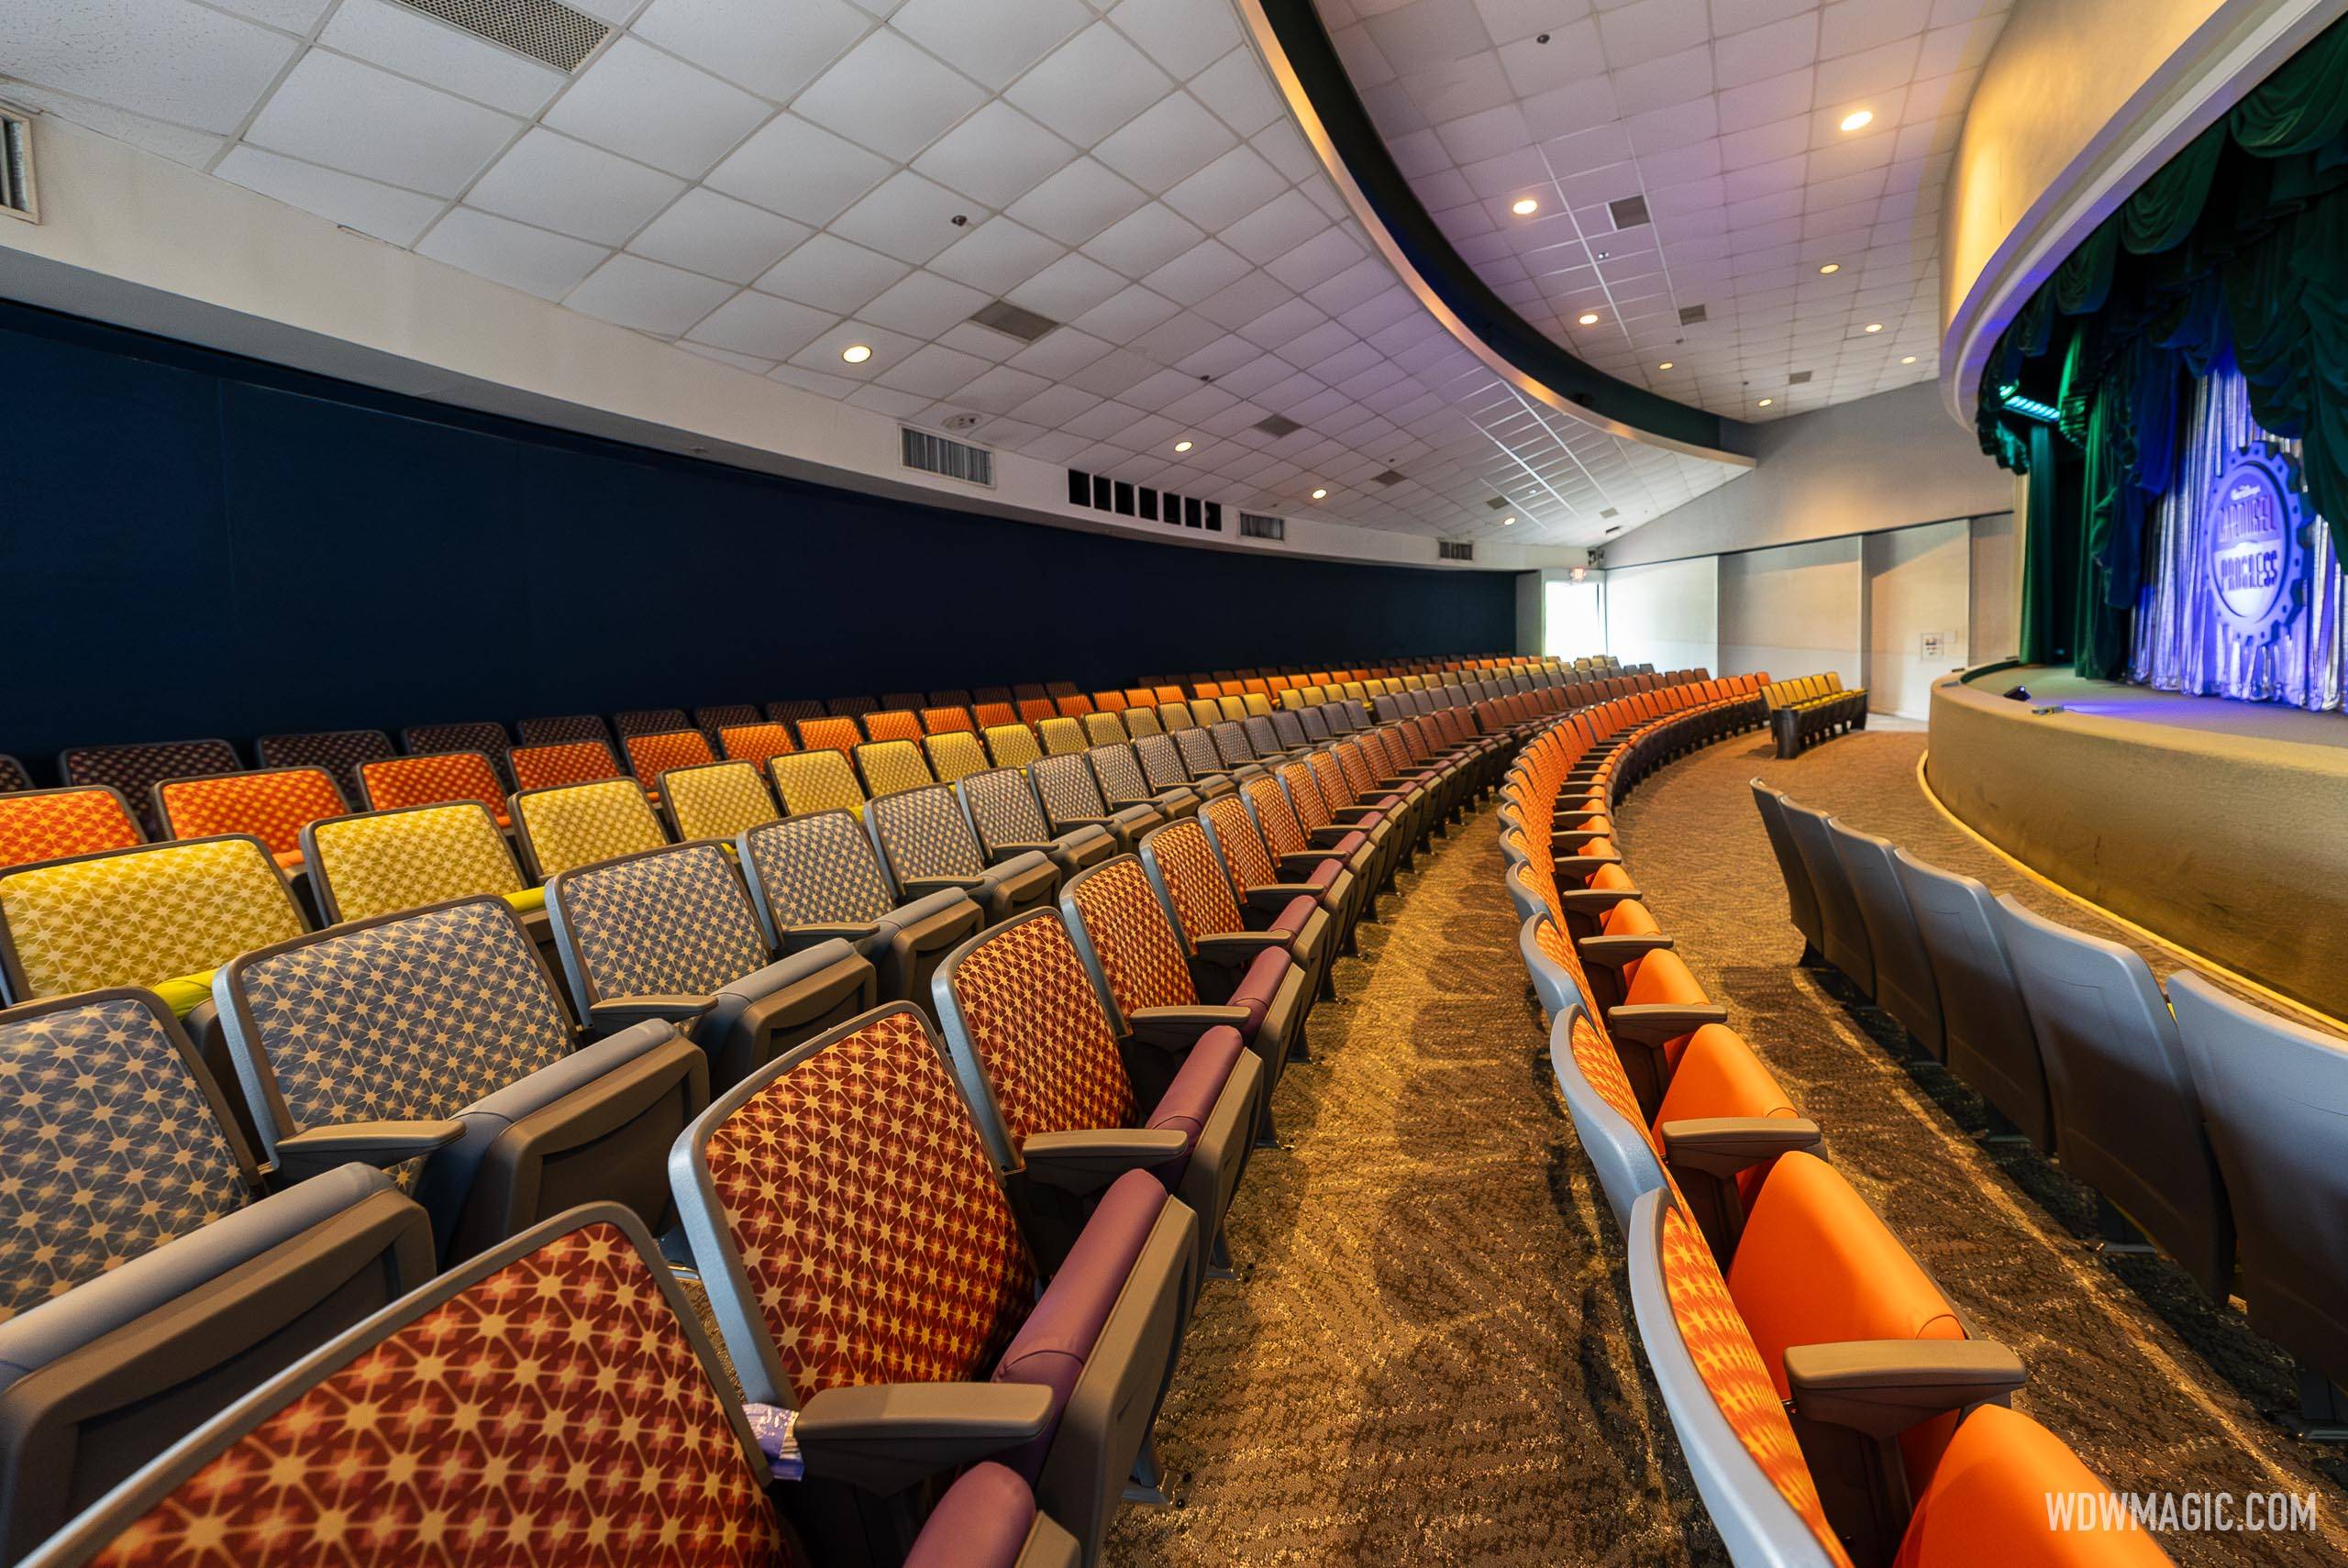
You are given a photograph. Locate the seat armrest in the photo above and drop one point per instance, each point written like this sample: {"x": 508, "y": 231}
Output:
{"x": 1652, "y": 1023}
{"x": 1273, "y": 897}
{"x": 382, "y": 1144}
{"x": 1594, "y": 901}
{"x": 615, "y": 1013}
{"x": 1179, "y": 1028}
{"x": 1224, "y": 957}
{"x": 1305, "y": 861}
{"x": 1614, "y": 952}
{"x": 1003, "y": 852}
{"x": 1723, "y": 1145}
{"x": 1881, "y": 1388}
{"x": 1089, "y": 1159}
{"x": 922, "y": 886}
{"x": 1583, "y": 864}
{"x": 799, "y": 938}
{"x": 1351, "y": 815}
{"x": 885, "y": 1436}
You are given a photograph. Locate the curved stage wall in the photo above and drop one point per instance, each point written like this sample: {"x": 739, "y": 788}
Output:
{"x": 2213, "y": 823}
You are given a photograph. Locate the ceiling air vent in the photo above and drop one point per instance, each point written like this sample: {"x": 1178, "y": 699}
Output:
{"x": 1498, "y": 503}
{"x": 1629, "y": 213}
{"x": 1612, "y": 512}
{"x": 1455, "y": 549}
{"x": 1012, "y": 322}
{"x": 1255, "y": 525}
{"x": 1277, "y": 425}
{"x": 1391, "y": 476}
{"x": 18, "y": 197}
{"x": 948, "y": 459}
{"x": 1798, "y": 378}
{"x": 539, "y": 29}
{"x": 1690, "y": 314}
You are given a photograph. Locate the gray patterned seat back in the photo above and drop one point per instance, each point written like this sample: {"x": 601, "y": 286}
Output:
{"x": 1315, "y": 727}
{"x": 1199, "y": 753}
{"x": 1288, "y": 731}
{"x": 1120, "y": 773}
{"x": 1003, "y": 808}
{"x": 1231, "y": 743}
{"x": 1069, "y": 792}
{"x": 1261, "y": 736}
{"x": 818, "y": 869}
{"x": 1162, "y": 761}
{"x": 670, "y": 921}
{"x": 921, "y": 832}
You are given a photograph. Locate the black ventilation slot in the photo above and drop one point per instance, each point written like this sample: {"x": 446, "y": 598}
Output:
{"x": 947, "y": 460}
{"x": 1256, "y": 526}
{"x": 542, "y": 30}
{"x": 1455, "y": 549}
{"x": 1691, "y": 315}
{"x": 1123, "y": 498}
{"x": 1277, "y": 425}
{"x": 1628, "y": 213}
{"x": 17, "y": 198}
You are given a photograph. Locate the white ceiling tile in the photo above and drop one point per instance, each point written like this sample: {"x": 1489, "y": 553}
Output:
{"x": 401, "y": 39}
{"x": 753, "y": 323}
{"x": 1562, "y": 111}
{"x": 935, "y": 371}
{"x": 1317, "y": 259}
{"x": 996, "y": 255}
{"x": 924, "y": 305}
{"x": 908, "y": 217}
{"x": 821, "y": 355}
{"x": 367, "y": 122}
{"x": 1647, "y": 29}
{"x": 995, "y": 155}
{"x": 548, "y": 265}
{"x": 889, "y": 95}
{"x": 195, "y": 148}
{"x": 1234, "y": 87}
{"x": 399, "y": 216}
{"x": 290, "y": 16}
{"x": 1198, "y": 272}
{"x": 774, "y": 50}
{"x": 992, "y": 41}
{"x": 750, "y": 362}
{"x": 1661, "y": 84}
{"x": 1001, "y": 390}
{"x": 704, "y": 232}
{"x": 1172, "y": 138}
{"x": 1144, "y": 240}
{"x": 1568, "y": 52}
{"x": 1091, "y": 85}
{"x": 1067, "y": 288}
{"x": 1130, "y": 312}
{"x": 163, "y": 59}
{"x": 1057, "y": 354}
{"x": 799, "y": 169}
{"x": 890, "y": 400}
{"x": 1275, "y": 228}
{"x": 1226, "y": 190}
{"x": 1283, "y": 147}
{"x": 832, "y": 274}
{"x": 1182, "y": 35}
{"x": 1846, "y": 27}
{"x": 568, "y": 186}
{"x": 653, "y": 107}
{"x": 648, "y": 296}
{"x": 1077, "y": 202}
{"x": 1857, "y": 76}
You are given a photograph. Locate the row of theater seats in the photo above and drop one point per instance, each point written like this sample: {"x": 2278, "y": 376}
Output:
{"x": 1814, "y": 708}
{"x": 2206, "y": 1126}
{"x": 1832, "y": 1404}
{"x": 376, "y": 1210}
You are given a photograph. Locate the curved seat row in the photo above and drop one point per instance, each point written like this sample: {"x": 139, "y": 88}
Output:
{"x": 1833, "y": 1405}
{"x": 945, "y": 1108}
{"x": 2207, "y": 1127}
{"x": 1814, "y": 708}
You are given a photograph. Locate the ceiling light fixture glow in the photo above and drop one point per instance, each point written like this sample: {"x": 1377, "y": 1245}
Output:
{"x": 1768, "y": 400}
{"x": 1908, "y": 358}
{"x": 1875, "y": 326}
{"x": 1830, "y": 269}
{"x": 1858, "y": 119}
{"x": 1524, "y": 206}
{"x": 1588, "y": 319}
{"x": 1182, "y": 446}
{"x": 1666, "y": 364}
{"x": 1508, "y": 522}
{"x": 856, "y": 353}
{"x": 1320, "y": 495}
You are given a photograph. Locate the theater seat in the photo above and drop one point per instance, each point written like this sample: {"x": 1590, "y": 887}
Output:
{"x": 866, "y": 1269}
{"x": 1903, "y": 971}
{"x": 273, "y": 805}
{"x": 575, "y": 825}
{"x": 1223, "y": 934}
{"x": 810, "y": 781}
{"x": 564, "y": 729}
{"x": 1118, "y": 771}
{"x": 1165, "y": 768}
{"x": 51, "y": 825}
{"x": 1843, "y": 928}
{"x": 1002, "y": 808}
{"x": 716, "y": 800}
{"x": 135, "y": 770}
{"x": 887, "y": 766}
{"x": 1799, "y": 895}
{"x": 1990, "y": 1043}
{"x": 817, "y": 879}
{"x": 340, "y": 752}
{"x": 457, "y": 1074}
{"x": 955, "y": 756}
{"x": 1039, "y": 1064}
{"x": 389, "y": 862}
{"x": 1259, "y": 881}
{"x": 927, "y": 846}
{"x": 433, "y": 779}
{"x": 654, "y": 752}
{"x": 1071, "y": 798}
{"x": 486, "y": 736}
{"x": 562, "y": 762}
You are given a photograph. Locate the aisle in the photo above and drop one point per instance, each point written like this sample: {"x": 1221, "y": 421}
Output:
{"x": 2156, "y": 1388}
{"x": 1429, "y": 1362}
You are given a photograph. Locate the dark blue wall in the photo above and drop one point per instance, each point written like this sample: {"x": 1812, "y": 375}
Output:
{"x": 193, "y": 543}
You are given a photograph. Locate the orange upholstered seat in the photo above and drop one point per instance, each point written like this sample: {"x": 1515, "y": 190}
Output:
{"x": 273, "y": 805}
{"x": 49, "y": 825}
{"x": 564, "y": 762}
{"x": 1988, "y": 1498}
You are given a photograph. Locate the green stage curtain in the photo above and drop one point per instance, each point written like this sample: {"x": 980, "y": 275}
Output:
{"x": 2045, "y": 618}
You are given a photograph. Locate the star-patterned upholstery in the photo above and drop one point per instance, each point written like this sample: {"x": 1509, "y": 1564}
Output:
{"x": 135, "y": 770}
{"x": 756, "y": 743}
{"x": 892, "y": 724}
{"x": 13, "y": 776}
{"x": 434, "y": 779}
{"x": 718, "y": 800}
{"x": 1198, "y": 753}
{"x": 652, "y": 753}
{"x": 563, "y": 728}
{"x": 1364, "y": 843}
{"x": 1002, "y": 806}
{"x": 927, "y": 844}
{"x": 1142, "y": 719}
{"x": 836, "y": 732}
{"x": 340, "y": 752}
{"x": 1061, "y": 736}
{"x": 947, "y": 721}
{"x": 562, "y": 762}
{"x": 486, "y": 736}
{"x": 810, "y": 781}
{"x": 956, "y": 753}
{"x": 1231, "y": 743}
{"x": 1073, "y": 703}
{"x": 1103, "y": 729}
{"x": 443, "y": 1023}
{"x": 815, "y": 878}
{"x": 273, "y": 805}
{"x": 403, "y": 858}
{"x": 1071, "y": 798}
{"x": 988, "y": 715}
{"x": 573, "y": 824}
{"x": 1123, "y": 783}
{"x": 1012, "y": 745}
{"x": 631, "y": 721}
{"x": 889, "y": 765}
{"x": 49, "y": 825}
{"x": 1035, "y": 710}
{"x": 161, "y": 915}
{"x": 1220, "y": 843}
{"x": 853, "y": 1232}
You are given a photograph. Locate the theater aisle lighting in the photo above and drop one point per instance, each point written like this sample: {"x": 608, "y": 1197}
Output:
{"x": 1524, "y": 206}
{"x": 1858, "y": 119}
{"x": 1182, "y": 446}
{"x": 856, "y": 353}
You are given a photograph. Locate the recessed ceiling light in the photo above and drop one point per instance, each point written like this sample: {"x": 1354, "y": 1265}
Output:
{"x": 1768, "y": 400}
{"x": 1320, "y": 495}
{"x": 856, "y": 353}
{"x": 1666, "y": 364}
{"x": 1524, "y": 206}
{"x": 1182, "y": 446}
{"x": 1875, "y": 326}
{"x": 1830, "y": 269}
{"x": 1588, "y": 319}
{"x": 1858, "y": 119}
{"x": 1508, "y": 522}
{"x": 1908, "y": 359}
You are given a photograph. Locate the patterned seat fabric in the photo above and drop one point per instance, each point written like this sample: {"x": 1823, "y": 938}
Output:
{"x": 392, "y": 861}
{"x": 340, "y": 752}
{"x": 1198, "y": 753}
{"x": 893, "y": 725}
{"x": 562, "y": 729}
{"x": 1162, "y": 761}
{"x": 726, "y": 715}
{"x": 815, "y": 870}
{"x": 648, "y": 721}
{"x": 946, "y": 721}
{"x": 717, "y": 801}
{"x": 13, "y": 776}
{"x": 566, "y": 762}
{"x": 629, "y": 1451}
{"x": 1037, "y": 1024}
{"x": 1012, "y": 746}
{"x": 756, "y": 744}
{"x": 851, "y": 707}
{"x": 1004, "y": 809}
{"x": 837, "y": 734}
{"x": 483, "y": 735}
{"x": 577, "y": 823}
{"x": 140, "y": 916}
{"x": 1035, "y": 710}
{"x": 653, "y": 753}
{"x": 1075, "y": 705}
{"x": 892, "y": 765}
{"x": 993, "y": 715}
{"x": 1140, "y": 957}
{"x": 274, "y": 806}
{"x": 673, "y": 922}
{"x": 953, "y": 697}
{"x": 991, "y": 694}
{"x": 1238, "y": 842}
{"x": 901, "y": 699}
{"x": 956, "y": 753}
{"x": 923, "y": 834}
{"x": 1141, "y": 722}
{"x": 1103, "y": 729}
{"x": 49, "y": 825}
{"x": 794, "y": 710}
{"x": 1061, "y": 736}
{"x": 810, "y": 781}
{"x": 1194, "y": 881}
{"x": 135, "y": 770}
{"x": 431, "y": 781}
{"x": 1120, "y": 775}
{"x": 1109, "y": 702}
{"x": 110, "y": 1144}
{"x": 1070, "y": 793}
{"x": 1231, "y": 743}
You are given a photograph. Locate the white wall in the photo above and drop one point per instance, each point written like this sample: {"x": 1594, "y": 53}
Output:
{"x": 1667, "y": 615}
{"x": 1997, "y": 588}
{"x": 1792, "y": 611}
{"x": 1918, "y": 586}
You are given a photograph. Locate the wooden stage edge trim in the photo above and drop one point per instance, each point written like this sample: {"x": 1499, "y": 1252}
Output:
{"x": 2280, "y": 1003}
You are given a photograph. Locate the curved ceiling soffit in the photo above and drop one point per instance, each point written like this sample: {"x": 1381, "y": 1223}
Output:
{"x": 1321, "y": 98}
{"x": 2240, "y": 44}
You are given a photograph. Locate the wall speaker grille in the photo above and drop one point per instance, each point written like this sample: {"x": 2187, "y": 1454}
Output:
{"x": 539, "y": 29}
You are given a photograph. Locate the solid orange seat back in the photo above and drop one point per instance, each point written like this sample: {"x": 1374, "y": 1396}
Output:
{"x": 1987, "y": 1502}
{"x": 1718, "y": 1075}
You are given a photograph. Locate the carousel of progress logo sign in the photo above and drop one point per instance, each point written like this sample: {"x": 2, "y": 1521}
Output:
{"x": 2255, "y": 548}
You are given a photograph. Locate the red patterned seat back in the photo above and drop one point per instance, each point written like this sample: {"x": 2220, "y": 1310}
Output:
{"x": 1139, "y": 955}
{"x": 1029, "y": 1014}
{"x": 868, "y": 1216}
{"x": 1237, "y": 842}
{"x": 433, "y": 780}
{"x": 563, "y": 762}
{"x": 653, "y": 753}
{"x": 49, "y": 825}
{"x": 1193, "y": 879}
{"x": 273, "y": 805}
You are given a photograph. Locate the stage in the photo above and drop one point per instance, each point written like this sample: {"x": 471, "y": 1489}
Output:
{"x": 2215, "y": 824}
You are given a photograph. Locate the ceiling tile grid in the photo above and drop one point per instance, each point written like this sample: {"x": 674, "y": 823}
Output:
{"x": 766, "y": 186}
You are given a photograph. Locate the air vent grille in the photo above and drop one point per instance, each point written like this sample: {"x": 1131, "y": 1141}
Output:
{"x": 1277, "y": 425}
{"x": 1498, "y": 503}
{"x": 1391, "y": 476}
{"x": 1690, "y": 314}
{"x": 948, "y": 459}
{"x": 1799, "y": 378}
{"x": 1101, "y": 493}
{"x": 1455, "y": 549}
{"x": 1612, "y": 512}
{"x": 17, "y": 198}
{"x": 1012, "y": 321}
{"x": 1628, "y": 213}
{"x": 539, "y": 29}
{"x": 1255, "y": 525}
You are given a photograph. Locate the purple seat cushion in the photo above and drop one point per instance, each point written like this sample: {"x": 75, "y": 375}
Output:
{"x": 1350, "y": 845}
{"x": 1051, "y": 1346}
{"x": 1259, "y": 985}
{"x": 982, "y": 1523}
{"x": 1190, "y": 1099}
{"x": 1326, "y": 872}
{"x": 1295, "y": 917}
